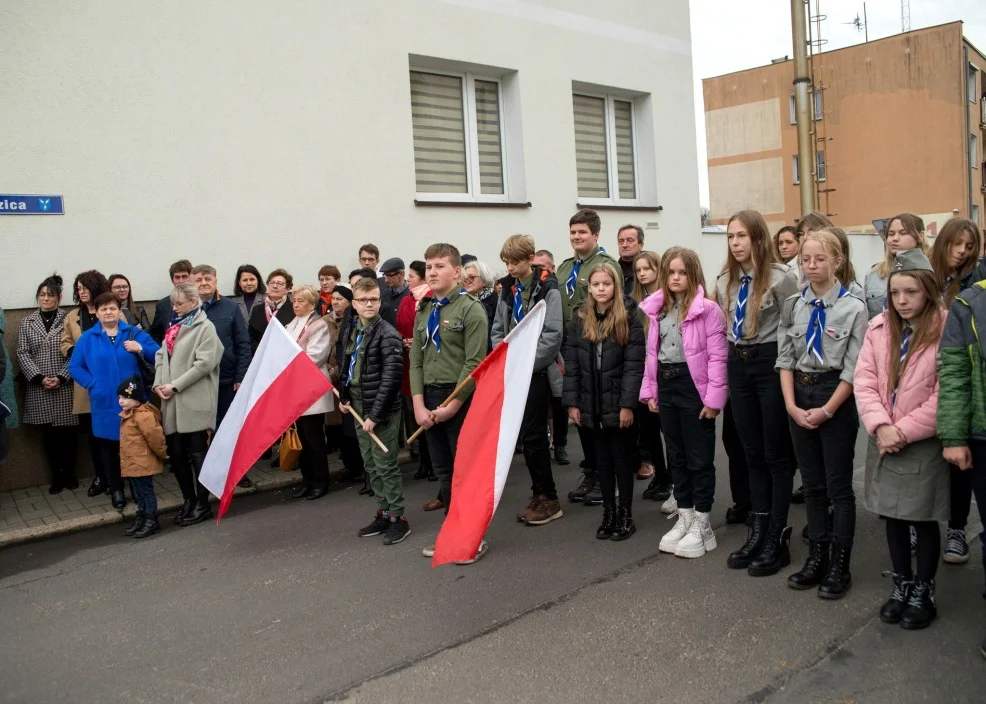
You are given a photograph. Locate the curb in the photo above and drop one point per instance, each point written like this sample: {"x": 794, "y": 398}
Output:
{"x": 75, "y": 525}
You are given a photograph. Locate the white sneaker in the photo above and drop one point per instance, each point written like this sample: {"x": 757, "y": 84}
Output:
{"x": 699, "y": 539}
{"x": 484, "y": 548}
{"x": 670, "y": 540}
{"x": 428, "y": 551}
{"x": 669, "y": 506}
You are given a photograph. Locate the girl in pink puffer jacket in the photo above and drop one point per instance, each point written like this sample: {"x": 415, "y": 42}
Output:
{"x": 685, "y": 380}
{"x": 907, "y": 479}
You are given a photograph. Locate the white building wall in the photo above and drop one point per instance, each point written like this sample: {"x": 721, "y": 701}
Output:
{"x": 279, "y": 133}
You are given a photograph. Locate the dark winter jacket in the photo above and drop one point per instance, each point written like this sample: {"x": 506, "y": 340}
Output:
{"x": 225, "y": 316}
{"x": 390, "y": 302}
{"x": 258, "y": 322}
{"x": 162, "y": 317}
{"x": 962, "y": 370}
{"x": 600, "y": 394}
{"x": 380, "y": 372}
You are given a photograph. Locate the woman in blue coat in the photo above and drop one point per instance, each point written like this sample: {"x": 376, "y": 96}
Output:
{"x": 104, "y": 356}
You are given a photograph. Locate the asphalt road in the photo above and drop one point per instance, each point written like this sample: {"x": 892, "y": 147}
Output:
{"x": 283, "y": 603}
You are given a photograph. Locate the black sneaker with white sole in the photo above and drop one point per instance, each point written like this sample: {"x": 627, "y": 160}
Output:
{"x": 380, "y": 525}
{"x": 397, "y": 531}
{"x": 956, "y": 548}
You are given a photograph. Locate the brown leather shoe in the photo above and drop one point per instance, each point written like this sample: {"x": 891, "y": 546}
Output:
{"x": 433, "y": 505}
{"x": 545, "y": 511}
{"x": 646, "y": 471}
{"x": 523, "y": 515}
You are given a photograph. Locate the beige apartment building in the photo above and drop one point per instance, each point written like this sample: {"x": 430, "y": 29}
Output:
{"x": 898, "y": 124}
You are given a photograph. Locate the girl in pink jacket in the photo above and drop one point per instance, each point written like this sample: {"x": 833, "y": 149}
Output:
{"x": 685, "y": 380}
{"x": 907, "y": 480}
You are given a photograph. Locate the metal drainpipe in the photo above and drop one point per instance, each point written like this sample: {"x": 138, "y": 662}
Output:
{"x": 806, "y": 157}
{"x": 968, "y": 125}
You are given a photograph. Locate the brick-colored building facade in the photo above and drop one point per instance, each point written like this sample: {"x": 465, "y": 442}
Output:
{"x": 900, "y": 124}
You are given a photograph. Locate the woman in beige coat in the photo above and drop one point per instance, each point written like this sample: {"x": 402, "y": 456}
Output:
{"x": 313, "y": 335}
{"x": 187, "y": 380}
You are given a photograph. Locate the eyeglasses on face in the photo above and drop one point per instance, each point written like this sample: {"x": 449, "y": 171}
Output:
{"x": 276, "y": 284}
{"x": 367, "y": 301}
{"x": 469, "y": 279}
{"x": 120, "y": 287}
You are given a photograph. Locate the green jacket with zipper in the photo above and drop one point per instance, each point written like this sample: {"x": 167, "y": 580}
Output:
{"x": 962, "y": 370}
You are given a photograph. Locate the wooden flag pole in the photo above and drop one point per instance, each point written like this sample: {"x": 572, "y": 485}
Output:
{"x": 446, "y": 402}
{"x": 360, "y": 421}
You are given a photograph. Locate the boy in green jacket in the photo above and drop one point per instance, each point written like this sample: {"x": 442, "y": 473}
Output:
{"x": 962, "y": 393}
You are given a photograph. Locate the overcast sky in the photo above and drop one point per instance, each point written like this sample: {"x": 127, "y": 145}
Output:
{"x": 730, "y": 36}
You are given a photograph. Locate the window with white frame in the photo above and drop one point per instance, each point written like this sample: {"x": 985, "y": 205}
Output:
{"x": 820, "y": 170}
{"x": 971, "y": 83}
{"x": 605, "y": 149}
{"x": 816, "y": 107}
{"x": 457, "y": 119}
{"x": 796, "y": 167}
{"x": 973, "y": 151}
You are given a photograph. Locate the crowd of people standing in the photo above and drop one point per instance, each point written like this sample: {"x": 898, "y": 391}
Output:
{"x": 640, "y": 353}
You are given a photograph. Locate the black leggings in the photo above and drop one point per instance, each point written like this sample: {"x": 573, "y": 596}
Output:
{"x": 928, "y": 552}
{"x": 961, "y": 495}
{"x": 614, "y": 463}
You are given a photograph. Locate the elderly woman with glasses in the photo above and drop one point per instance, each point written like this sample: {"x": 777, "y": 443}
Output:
{"x": 187, "y": 380}
{"x": 315, "y": 337}
{"x": 478, "y": 280}
{"x": 276, "y": 304}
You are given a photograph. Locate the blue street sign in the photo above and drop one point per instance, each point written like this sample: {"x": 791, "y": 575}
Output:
{"x": 31, "y": 205}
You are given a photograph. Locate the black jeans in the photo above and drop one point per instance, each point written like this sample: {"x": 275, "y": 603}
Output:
{"x": 313, "y": 463}
{"x": 534, "y": 435}
{"x": 650, "y": 445}
{"x": 739, "y": 473}
{"x": 978, "y": 479}
{"x": 226, "y": 396}
{"x": 109, "y": 459}
{"x": 142, "y": 491}
{"x": 186, "y": 451}
{"x": 559, "y": 423}
{"x": 587, "y": 440}
{"x": 349, "y": 453}
{"x": 443, "y": 438}
{"x": 85, "y": 427}
{"x": 691, "y": 441}
{"x": 761, "y": 424}
{"x": 411, "y": 427}
{"x": 615, "y": 453}
{"x": 825, "y": 456}
{"x": 960, "y": 484}
{"x": 928, "y": 547}
{"x": 59, "y": 444}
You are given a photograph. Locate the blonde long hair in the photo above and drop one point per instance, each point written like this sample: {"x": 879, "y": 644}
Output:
{"x": 653, "y": 260}
{"x": 762, "y": 254}
{"x": 614, "y": 321}
{"x": 693, "y": 268}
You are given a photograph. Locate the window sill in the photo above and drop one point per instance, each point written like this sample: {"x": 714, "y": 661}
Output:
{"x": 612, "y": 206}
{"x": 471, "y": 204}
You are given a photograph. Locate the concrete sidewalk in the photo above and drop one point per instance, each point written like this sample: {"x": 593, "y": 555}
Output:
{"x": 33, "y": 513}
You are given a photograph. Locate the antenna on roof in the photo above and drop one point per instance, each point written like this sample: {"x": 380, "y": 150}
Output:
{"x": 860, "y": 23}
{"x": 905, "y": 15}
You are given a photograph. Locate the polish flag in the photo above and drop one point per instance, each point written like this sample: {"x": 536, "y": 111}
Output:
{"x": 488, "y": 439}
{"x": 280, "y": 385}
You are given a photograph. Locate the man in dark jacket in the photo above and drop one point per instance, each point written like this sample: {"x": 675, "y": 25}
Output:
{"x": 523, "y": 289}
{"x": 630, "y": 240}
{"x": 393, "y": 290}
{"x": 224, "y": 314}
{"x": 180, "y": 272}
{"x": 370, "y": 387}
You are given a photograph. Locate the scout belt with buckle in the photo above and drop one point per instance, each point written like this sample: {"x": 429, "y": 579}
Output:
{"x": 809, "y": 378}
{"x": 673, "y": 371}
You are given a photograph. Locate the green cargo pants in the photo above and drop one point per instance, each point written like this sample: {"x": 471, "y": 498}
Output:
{"x": 381, "y": 467}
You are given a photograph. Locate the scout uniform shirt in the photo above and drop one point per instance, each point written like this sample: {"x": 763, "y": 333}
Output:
{"x": 463, "y": 331}
{"x": 841, "y": 335}
{"x": 573, "y": 301}
{"x": 672, "y": 350}
{"x": 782, "y": 285}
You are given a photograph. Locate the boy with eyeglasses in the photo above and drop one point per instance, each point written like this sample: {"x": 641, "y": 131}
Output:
{"x": 370, "y": 384}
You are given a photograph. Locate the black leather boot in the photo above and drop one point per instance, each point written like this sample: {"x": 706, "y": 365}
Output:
{"x": 776, "y": 553}
{"x": 837, "y": 580}
{"x": 97, "y": 487}
{"x": 737, "y": 514}
{"x": 756, "y": 538}
{"x": 605, "y": 530}
{"x": 118, "y": 499}
{"x": 202, "y": 509}
{"x": 624, "y": 526}
{"x": 817, "y": 564}
{"x": 138, "y": 522}
{"x": 891, "y": 611}
{"x": 149, "y": 527}
{"x": 921, "y": 609}
{"x": 186, "y": 508}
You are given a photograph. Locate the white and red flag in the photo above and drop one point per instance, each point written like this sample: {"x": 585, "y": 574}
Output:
{"x": 488, "y": 439}
{"x": 280, "y": 385}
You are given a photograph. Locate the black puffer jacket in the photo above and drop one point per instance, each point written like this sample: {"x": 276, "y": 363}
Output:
{"x": 381, "y": 370}
{"x": 600, "y": 394}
